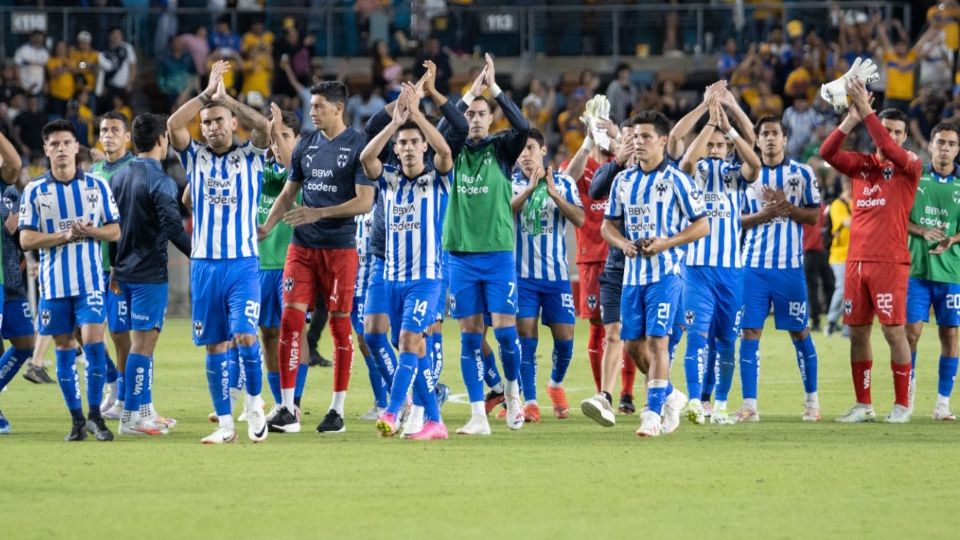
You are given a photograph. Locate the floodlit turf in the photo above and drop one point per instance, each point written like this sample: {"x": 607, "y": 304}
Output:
{"x": 558, "y": 479}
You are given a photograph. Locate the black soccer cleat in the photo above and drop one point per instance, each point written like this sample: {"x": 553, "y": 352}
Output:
{"x": 37, "y": 375}
{"x": 284, "y": 421}
{"x": 492, "y": 399}
{"x": 98, "y": 428}
{"x": 78, "y": 431}
{"x": 626, "y": 404}
{"x": 332, "y": 423}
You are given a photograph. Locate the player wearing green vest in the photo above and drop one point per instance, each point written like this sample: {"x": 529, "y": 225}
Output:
{"x": 935, "y": 260}
{"x": 478, "y": 233}
{"x": 115, "y": 139}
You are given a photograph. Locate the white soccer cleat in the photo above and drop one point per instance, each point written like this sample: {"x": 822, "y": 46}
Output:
{"x": 811, "y": 413}
{"x": 899, "y": 415}
{"x": 142, "y": 427}
{"x": 477, "y": 425}
{"x": 598, "y": 409}
{"x": 413, "y": 423}
{"x": 707, "y": 409}
{"x": 256, "y": 422}
{"x": 109, "y": 399}
{"x": 671, "y": 410}
{"x": 943, "y": 413}
{"x": 220, "y": 436}
{"x": 695, "y": 412}
{"x": 114, "y": 412}
{"x": 649, "y": 424}
{"x": 746, "y": 414}
{"x": 243, "y": 415}
{"x": 372, "y": 414}
{"x": 858, "y": 413}
{"x": 515, "y": 418}
{"x": 720, "y": 417}
{"x": 273, "y": 412}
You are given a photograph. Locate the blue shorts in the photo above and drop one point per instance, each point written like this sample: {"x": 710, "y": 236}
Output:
{"x": 483, "y": 282}
{"x": 714, "y": 299}
{"x": 60, "y": 316}
{"x": 17, "y": 319}
{"x": 271, "y": 298}
{"x": 555, "y": 298}
{"x": 611, "y": 289}
{"x": 225, "y": 298}
{"x": 137, "y": 306}
{"x": 375, "y": 288}
{"x": 648, "y": 310}
{"x": 356, "y": 314}
{"x": 411, "y": 305}
{"x": 787, "y": 289}
{"x": 922, "y": 294}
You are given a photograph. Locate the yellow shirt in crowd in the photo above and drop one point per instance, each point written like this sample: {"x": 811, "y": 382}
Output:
{"x": 62, "y": 85}
{"x": 900, "y": 75}
{"x": 839, "y": 211}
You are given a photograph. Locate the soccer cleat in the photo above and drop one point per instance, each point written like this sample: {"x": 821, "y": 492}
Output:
{"x": 317, "y": 359}
{"x": 371, "y": 414}
{"x": 78, "y": 431}
{"x": 911, "y": 393}
{"x": 598, "y": 409}
{"x": 4, "y": 425}
{"x": 746, "y": 414}
{"x": 273, "y": 412}
{"x": 707, "y": 408}
{"x": 626, "y": 404}
{"x": 443, "y": 392}
{"x": 37, "y": 374}
{"x": 502, "y": 413}
{"x": 257, "y": 423}
{"x": 515, "y": 414}
{"x": 285, "y": 421}
{"x": 899, "y": 415}
{"x": 531, "y": 413}
{"x": 811, "y": 413}
{"x": 431, "y": 431}
{"x": 858, "y": 413}
{"x": 695, "y": 412}
{"x": 671, "y": 410}
{"x": 720, "y": 417}
{"x": 412, "y": 424}
{"x": 941, "y": 412}
{"x": 332, "y": 423}
{"x": 477, "y": 425}
{"x": 387, "y": 424}
{"x": 109, "y": 399}
{"x": 649, "y": 424}
{"x": 113, "y": 412}
{"x": 220, "y": 436}
{"x": 558, "y": 397}
{"x": 98, "y": 428}
{"x": 243, "y": 415}
{"x": 492, "y": 399}
{"x": 142, "y": 427}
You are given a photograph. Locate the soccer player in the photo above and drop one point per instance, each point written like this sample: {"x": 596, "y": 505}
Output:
{"x": 225, "y": 182}
{"x": 66, "y": 214}
{"x": 776, "y": 207}
{"x": 713, "y": 297}
{"x": 115, "y": 138}
{"x": 377, "y": 383}
{"x": 878, "y": 261}
{"x": 147, "y": 199}
{"x": 651, "y": 200}
{"x": 325, "y": 169}
{"x": 478, "y": 233}
{"x": 18, "y": 327}
{"x": 415, "y": 197}
{"x": 935, "y": 260}
{"x": 544, "y": 202}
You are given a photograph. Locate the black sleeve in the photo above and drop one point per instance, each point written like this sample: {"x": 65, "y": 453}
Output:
{"x": 510, "y": 143}
{"x": 603, "y": 180}
{"x": 377, "y": 123}
{"x": 455, "y": 127}
{"x": 168, "y": 212}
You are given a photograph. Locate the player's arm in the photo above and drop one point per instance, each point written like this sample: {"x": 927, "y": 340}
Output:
{"x": 613, "y": 224}
{"x": 578, "y": 163}
{"x": 186, "y": 199}
{"x": 750, "y": 168}
{"x": 689, "y": 199}
{"x": 281, "y": 206}
{"x": 603, "y": 179}
{"x": 881, "y": 137}
{"x": 164, "y": 197}
{"x": 570, "y": 210}
{"x": 523, "y": 195}
{"x": 181, "y": 118}
{"x": 510, "y": 144}
{"x": 11, "y": 162}
{"x": 804, "y": 215}
{"x": 740, "y": 117}
{"x": 284, "y": 147}
{"x": 442, "y": 157}
{"x": 30, "y": 239}
{"x": 370, "y": 156}
{"x": 683, "y": 127}
{"x": 248, "y": 116}
{"x": 698, "y": 147}
{"x": 844, "y": 162}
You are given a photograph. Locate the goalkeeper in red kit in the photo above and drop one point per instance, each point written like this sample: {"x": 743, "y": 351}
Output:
{"x": 884, "y": 186}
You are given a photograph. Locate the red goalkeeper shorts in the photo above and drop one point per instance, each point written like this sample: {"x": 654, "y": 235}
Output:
{"x": 590, "y": 290}
{"x": 875, "y": 288}
{"x": 332, "y": 270}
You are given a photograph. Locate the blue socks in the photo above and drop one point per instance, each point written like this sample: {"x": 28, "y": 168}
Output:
{"x": 137, "y": 372}
{"x": 218, "y": 382}
{"x": 913, "y": 365}
{"x": 236, "y": 368}
{"x": 273, "y": 381}
{"x": 528, "y": 368}
{"x": 402, "y": 380}
{"x": 509, "y": 351}
{"x": 693, "y": 363}
{"x": 490, "y": 374}
{"x": 471, "y": 364}
{"x": 252, "y": 367}
{"x": 11, "y": 362}
{"x": 69, "y": 381}
{"x": 807, "y": 362}
{"x": 96, "y": 355}
{"x": 948, "y": 372}
{"x": 435, "y": 351}
{"x": 749, "y": 367}
{"x": 383, "y": 355}
{"x": 657, "y": 395}
{"x": 726, "y": 364}
{"x": 562, "y": 355}
{"x": 423, "y": 387}
{"x": 111, "y": 371}
{"x": 377, "y": 383}
{"x": 710, "y": 372}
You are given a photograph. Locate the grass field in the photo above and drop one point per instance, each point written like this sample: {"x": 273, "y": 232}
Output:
{"x": 557, "y": 479}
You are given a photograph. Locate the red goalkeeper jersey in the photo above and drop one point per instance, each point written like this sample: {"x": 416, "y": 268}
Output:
{"x": 883, "y": 194}
{"x": 591, "y": 247}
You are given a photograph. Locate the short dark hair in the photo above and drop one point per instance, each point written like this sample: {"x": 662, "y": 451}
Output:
{"x": 55, "y": 126}
{"x": 291, "y": 120}
{"x": 212, "y": 104}
{"x": 944, "y": 126}
{"x": 491, "y": 104}
{"x": 770, "y": 119}
{"x": 537, "y": 135}
{"x": 410, "y": 124}
{"x": 661, "y": 124}
{"x": 118, "y": 116}
{"x": 893, "y": 114}
{"x": 333, "y": 91}
{"x": 620, "y": 67}
{"x": 147, "y": 130}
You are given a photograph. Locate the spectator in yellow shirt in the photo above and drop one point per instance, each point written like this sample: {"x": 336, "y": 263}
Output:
{"x": 256, "y": 37}
{"x": 840, "y": 215}
{"x": 946, "y": 16}
{"x": 258, "y": 71}
{"x": 804, "y": 81}
{"x": 900, "y": 63}
{"x": 61, "y": 83}
{"x": 83, "y": 59}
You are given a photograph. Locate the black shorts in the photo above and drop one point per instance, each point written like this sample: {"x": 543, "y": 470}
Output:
{"x": 611, "y": 287}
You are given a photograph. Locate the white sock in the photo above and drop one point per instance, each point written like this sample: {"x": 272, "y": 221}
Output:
{"x": 942, "y": 400}
{"x": 112, "y": 388}
{"x": 750, "y": 403}
{"x": 126, "y": 417}
{"x": 530, "y": 402}
{"x": 813, "y": 399}
{"x": 286, "y": 395}
{"x": 337, "y": 402}
{"x": 498, "y": 387}
{"x": 720, "y": 405}
{"x": 416, "y": 415}
{"x": 477, "y": 408}
{"x": 695, "y": 401}
{"x": 553, "y": 384}
{"x": 252, "y": 402}
{"x": 119, "y": 404}
{"x": 226, "y": 422}
{"x": 512, "y": 389}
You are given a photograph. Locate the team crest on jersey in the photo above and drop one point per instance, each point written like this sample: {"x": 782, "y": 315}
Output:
{"x": 235, "y": 161}
{"x": 689, "y": 317}
{"x": 453, "y": 302}
{"x": 956, "y": 197}
{"x": 887, "y": 172}
{"x": 592, "y": 301}
{"x": 45, "y": 317}
{"x": 848, "y": 306}
{"x": 93, "y": 197}
{"x": 198, "y": 328}
{"x": 422, "y": 184}
{"x": 661, "y": 188}
{"x": 794, "y": 183}
{"x": 342, "y": 160}
{"x": 287, "y": 284}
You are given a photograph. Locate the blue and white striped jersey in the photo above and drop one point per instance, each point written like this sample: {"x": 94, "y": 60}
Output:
{"x": 50, "y": 206}
{"x": 653, "y": 204}
{"x": 364, "y": 224}
{"x": 225, "y": 189}
{"x": 414, "y": 209}
{"x": 723, "y": 190}
{"x": 544, "y": 256}
{"x": 778, "y": 244}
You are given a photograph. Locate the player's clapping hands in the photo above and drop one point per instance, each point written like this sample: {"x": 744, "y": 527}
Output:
{"x": 651, "y": 246}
